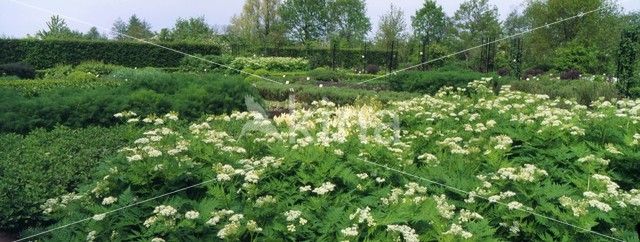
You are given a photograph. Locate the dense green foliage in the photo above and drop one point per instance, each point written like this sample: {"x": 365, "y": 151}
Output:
{"x": 286, "y": 184}
{"x": 430, "y": 82}
{"x": 210, "y": 63}
{"x": 583, "y": 90}
{"x": 48, "y": 53}
{"x": 142, "y": 91}
{"x": 45, "y": 164}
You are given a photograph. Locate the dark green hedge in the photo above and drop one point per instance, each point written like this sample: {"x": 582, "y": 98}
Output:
{"x": 145, "y": 92}
{"x": 345, "y": 58}
{"x": 48, "y": 53}
{"x": 431, "y": 82}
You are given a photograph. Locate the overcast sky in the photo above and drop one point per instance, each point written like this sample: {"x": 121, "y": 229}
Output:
{"x": 18, "y": 21}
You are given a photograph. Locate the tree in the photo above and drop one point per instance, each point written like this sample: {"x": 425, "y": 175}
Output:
{"x": 57, "y": 29}
{"x": 390, "y": 32}
{"x": 93, "y": 34}
{"x": 135, "y": 28}
{"x": 515, "y": 23}
{"x": 192, "y": 29}
{"x": 259, "y": 23}
{"x": 348, "y": 20}
{"x": 593, "y": 30}
{"x": 429, "y": 25}
{"x": 305, "y": 20}
{"x": 477, "y": 23}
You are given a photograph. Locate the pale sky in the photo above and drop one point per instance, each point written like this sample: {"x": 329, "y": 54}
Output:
{"x": 18, "y": 21}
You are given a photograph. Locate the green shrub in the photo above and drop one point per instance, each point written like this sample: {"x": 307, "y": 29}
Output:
{"x": 310, "y": 93}
{"x": 575, "y": 57}
{"x": 21, "y": 70}
{"x": 583, "y": 91}
{"x": 326, "y": 75}
{"x": 270, "y": 63}
{"x": 81, "y": 76}
{"x": 58, "y": 72}
{"x": 146, "y": 91}
{"x": 48, "y": 53}
{"x": 191, "y": 64}
{"x": 45, "y": 164}
{"x": 96, "y": 68}
{"x": 431, "y": 82}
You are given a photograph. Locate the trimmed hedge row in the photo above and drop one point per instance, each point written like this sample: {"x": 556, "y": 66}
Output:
{"x": 142, "y": 91}
{"x": 346, "y": 58}
{"x": 431, "y": 82}
{"x": 48, "y": 53}
{"x": 338, "y": 95}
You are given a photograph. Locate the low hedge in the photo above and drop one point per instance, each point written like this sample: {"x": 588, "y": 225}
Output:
{"x": 46, "y": 164}
{"x": 339, "y": 95}
{"x": 430, "y": 82}
{"x": 142, "y": 91}
{"x": 48, "y": 53}
{"x": 345, "y": 58}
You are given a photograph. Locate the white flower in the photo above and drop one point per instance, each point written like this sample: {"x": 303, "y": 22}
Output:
{"x": 157, "y": 239}
{"x": 291, "y": 228}
{"x": 305, "y": 189}
{"x": 252, "y": 226}
{"x": 91, "y": 236}
{"x": 362, "y": 176}
{"x": 292, "y": 215}
{"x": 324, "y": 188}
{"x": 109, "y": 200}
{"x": 99, "y": 217}
{"x": 407, "y": 232}
{"x": 362, "y": 215}
{"x": 165, "y": 210}
{"x": 514, "y": 205}
{"x": 192, "y": 214}
{"x": 456, "y": 229}
{"x": 350, "y": 231}
{"x": 380, "y": 180}
{"x": 134, "y": 158}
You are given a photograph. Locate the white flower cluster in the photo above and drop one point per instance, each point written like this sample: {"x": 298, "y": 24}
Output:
{"x": 264, "y": 200}
{"x": 125, "y": 114}
{"x": 324, "y": 188}
{"x": 457, "y": 230}
{"x": 445, "y": 209}
{"x": 91, "y": 236}
{"x": 363, "y": 215}
{"x": 109, "y": 200}
{"x": 593, "y": 159}
{"x": 502, "y": 142}
{"x": 413, "y": 192}
{"x": 428, "y": 158}
{"x": 636, "y": 139}
{"x": 163, "y": 212}
{"x": 527, "y": 173}
{"x": 350, "y": 231}
{"x": 454, "y": 145}
{"x": 53, "y": 204}
{"x": 192, "y": 215}
{"x": 408, "y": 233}
{"x": 291, "y": 216}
